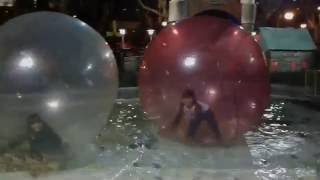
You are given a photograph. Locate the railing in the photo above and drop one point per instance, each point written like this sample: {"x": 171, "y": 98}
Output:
{"x": 311, "y": 82}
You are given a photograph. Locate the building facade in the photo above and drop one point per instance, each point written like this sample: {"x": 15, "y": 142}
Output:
{"x": 243, "y": 10}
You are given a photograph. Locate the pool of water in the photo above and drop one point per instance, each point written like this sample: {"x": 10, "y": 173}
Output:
{"x": 285, "y": 147}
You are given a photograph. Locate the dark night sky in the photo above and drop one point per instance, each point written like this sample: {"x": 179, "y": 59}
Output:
{"x": 127, "y": 10}
{"x": 118, "y": 9}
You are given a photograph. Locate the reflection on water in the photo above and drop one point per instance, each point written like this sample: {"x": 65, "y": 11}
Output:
{"x": 284, "y": 147}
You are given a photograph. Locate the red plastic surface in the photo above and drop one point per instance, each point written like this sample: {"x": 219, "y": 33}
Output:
{"x": 219, "y": 61}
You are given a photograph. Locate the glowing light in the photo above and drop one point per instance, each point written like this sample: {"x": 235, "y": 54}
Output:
{"x": 253, "y": 33}
{"x": 151, "y": 32}
{"x": 143, "y": 67}
{"x": 122, "y": 32}
{"x": 253, "y": 105}
{"x": 190, "y": 62}
{"x": 252, "y": 59}
{"x": 19, "y": 96}
{"x": 289, "y": 15}
{"x": 241, "y": 27}
{"x": 89, "y": 67}
{"x": 83, "y": 24}
{"x": 236, "y": 33}
{"x": 108, "y": 54}
{"x": 164, "y": 23}
{"x": 53, "y": 104}
{"x": 26, "y": 62}
{"x": 75, "y": 16}
{"x": 318, "y": 8}
{"x": 7, "y": 3}
{"x": 212, "y": 92}
{"x": 175, "y": 31}
{"x": 303, "y": 25}
{"x": 35, "y": 3}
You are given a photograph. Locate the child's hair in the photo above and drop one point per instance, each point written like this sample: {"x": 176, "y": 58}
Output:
{"x": 33, "y": 118}
{"x": 189, "y": 93}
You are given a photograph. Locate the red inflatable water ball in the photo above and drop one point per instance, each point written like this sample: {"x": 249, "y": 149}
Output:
{"x": 204, "y": 79}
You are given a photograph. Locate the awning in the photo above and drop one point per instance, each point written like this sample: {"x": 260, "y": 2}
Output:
{"x": 286, "y": 39}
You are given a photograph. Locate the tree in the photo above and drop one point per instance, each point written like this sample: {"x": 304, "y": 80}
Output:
{"x": 161, "y": 11}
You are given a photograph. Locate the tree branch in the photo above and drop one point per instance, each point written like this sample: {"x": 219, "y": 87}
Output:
{"x": 150, "y": 9}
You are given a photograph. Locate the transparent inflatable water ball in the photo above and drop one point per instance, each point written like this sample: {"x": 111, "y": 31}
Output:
{"x": 58, "y": 84}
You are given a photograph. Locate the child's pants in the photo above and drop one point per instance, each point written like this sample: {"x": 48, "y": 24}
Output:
{"x": 204, "y": 116}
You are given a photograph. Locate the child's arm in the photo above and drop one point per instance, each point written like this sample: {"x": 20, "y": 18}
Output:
{"x": 177, "y": 120}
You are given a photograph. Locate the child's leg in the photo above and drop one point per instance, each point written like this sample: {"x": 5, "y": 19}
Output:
{"x": 193, "y": 127}
{"x": 209, "y": 117}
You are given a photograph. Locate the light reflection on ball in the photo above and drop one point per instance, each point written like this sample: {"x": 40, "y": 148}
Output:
{"x": 57, "y": 67}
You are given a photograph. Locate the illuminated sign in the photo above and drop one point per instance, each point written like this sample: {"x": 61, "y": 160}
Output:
{"x": 8, "y": 3}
